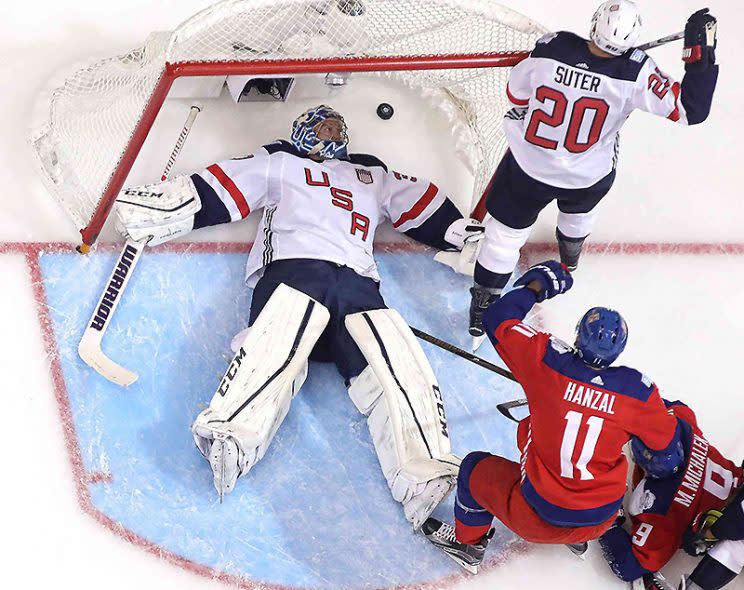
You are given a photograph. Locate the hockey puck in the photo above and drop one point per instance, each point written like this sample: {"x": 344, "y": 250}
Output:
{"x": 385, "y": 111}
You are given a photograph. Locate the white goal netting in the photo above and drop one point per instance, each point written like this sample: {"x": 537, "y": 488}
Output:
{"x": 98, "y": 117}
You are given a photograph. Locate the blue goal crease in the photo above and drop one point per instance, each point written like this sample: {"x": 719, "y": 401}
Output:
{"x": 316, "y": 511}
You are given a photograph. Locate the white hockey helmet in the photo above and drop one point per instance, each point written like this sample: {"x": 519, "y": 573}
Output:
{"x": 616, "y": 26}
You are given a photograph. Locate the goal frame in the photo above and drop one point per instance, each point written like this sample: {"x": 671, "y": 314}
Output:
{"x": 279, "y": 68}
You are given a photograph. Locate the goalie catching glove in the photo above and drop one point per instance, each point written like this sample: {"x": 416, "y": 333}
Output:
{"x": 158, "y": 213}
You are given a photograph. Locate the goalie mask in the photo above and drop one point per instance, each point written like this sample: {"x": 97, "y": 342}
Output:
{"x": 321, "y": 132}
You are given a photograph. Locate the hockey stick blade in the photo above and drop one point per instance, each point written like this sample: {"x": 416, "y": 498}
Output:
{"x": 506, "y": 408}
{"x": 90, "y": 351}
{"x": 89, "y": 348}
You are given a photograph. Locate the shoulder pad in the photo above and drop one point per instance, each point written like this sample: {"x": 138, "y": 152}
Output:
{"x": 367, "y": 160}
{"x": 630, "y": 382}
{"x": 280, "y": 145}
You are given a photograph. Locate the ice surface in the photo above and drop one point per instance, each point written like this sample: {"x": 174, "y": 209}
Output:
{"x": 316, "y": 510}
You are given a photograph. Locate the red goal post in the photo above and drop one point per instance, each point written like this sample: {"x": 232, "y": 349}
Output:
{"x": 456, "y": 51}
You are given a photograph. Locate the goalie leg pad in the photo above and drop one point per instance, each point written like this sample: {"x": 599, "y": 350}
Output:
{"x": 499, "y": 251}
{"x": 399, "y": 394}
{"x": 267, "y": 371}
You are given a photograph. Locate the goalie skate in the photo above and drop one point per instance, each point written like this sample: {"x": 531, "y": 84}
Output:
{"x": 224, "y": 458}
{"x": 442, "y": 535}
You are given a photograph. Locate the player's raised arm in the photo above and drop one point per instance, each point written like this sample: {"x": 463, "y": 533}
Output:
{"x": 688, "y": 102}
{"x": 223, "y": 192}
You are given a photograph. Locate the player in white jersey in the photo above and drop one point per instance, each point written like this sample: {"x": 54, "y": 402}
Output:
{"x": 570, "y": 98}
{"x": 316, "y": 296}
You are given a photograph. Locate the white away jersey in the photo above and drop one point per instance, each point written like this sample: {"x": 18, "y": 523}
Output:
{"x": 570, "y": 106}
{"x": 325, "y": 210}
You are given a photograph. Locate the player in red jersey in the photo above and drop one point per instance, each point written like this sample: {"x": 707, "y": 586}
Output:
{"x": 667, "y": 513}
{"x": 571, "y": 480}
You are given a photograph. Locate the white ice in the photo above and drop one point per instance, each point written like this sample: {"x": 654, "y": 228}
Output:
{"x": 675, "y": 185}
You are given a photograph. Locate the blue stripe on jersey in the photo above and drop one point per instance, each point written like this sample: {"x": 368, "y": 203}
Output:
{"x": 566, "y": 517}
{"x": 431, "y": 232}
{"x": 213, "y": 210}
{"x": 572, "y": 50}
{"x": 620, "y": 380}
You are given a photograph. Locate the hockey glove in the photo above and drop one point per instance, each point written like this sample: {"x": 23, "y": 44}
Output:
{"x": 554, "y": 278}
{"x": 465, "y": 235}
{"x": 464, "y": 231}
{"x": 697, "y": 539}
{"x": 700, "y": 41}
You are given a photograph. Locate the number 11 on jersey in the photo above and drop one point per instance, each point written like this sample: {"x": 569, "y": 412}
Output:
{"x": 574, "y": 422}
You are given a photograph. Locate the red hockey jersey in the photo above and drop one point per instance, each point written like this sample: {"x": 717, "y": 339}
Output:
{"x": 574, "y": 469}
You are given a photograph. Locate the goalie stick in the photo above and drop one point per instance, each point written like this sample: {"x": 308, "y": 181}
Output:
{"x": 89, "y": 347}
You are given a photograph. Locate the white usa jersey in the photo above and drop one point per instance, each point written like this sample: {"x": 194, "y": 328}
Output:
{"x": 326, "y": 210}
{"x": 569, "y": 106}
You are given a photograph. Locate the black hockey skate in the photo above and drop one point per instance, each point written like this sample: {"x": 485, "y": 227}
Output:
{"x": 443, "y": 536}
{"x": 569, "y": 249}
{"x": 578, "y": 549}
{"x": 654, "y": 581}
{"x": 482, "y": 297}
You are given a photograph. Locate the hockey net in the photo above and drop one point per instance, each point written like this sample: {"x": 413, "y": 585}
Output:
{"x": 456, "y": 52}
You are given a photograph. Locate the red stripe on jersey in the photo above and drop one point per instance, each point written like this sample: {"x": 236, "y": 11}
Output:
{"x": 231, "y": 188}
{"x": 419, "y": 206}
{"x": 674, "y": 115}
{"x": 515, "y": 100}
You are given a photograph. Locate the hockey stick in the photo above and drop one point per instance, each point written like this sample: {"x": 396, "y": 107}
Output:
{"x": 662, "y": 41}
{"x": 89, "y": 347}
{"x": 506, "y": 407}
{"x": 481, "y": 362}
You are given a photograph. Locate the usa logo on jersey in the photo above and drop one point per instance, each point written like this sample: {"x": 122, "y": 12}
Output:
{"x": 364, "y": 176}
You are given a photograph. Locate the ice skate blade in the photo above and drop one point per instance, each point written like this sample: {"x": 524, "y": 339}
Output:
{"x": 476, "y": 342}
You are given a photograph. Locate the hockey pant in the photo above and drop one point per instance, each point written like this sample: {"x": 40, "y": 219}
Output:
{"x": 490, "y": 486}
{"x": 399, "y": 394}
{"x": 267, "y": 371}
{"x": 514, "y": 202}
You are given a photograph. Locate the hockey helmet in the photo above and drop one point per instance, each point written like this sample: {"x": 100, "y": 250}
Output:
{"x": 659, "y": 464}
{"x": 616, "y": 26}
{"x": 305, "y": 138}
{"x": 601, "y": 335}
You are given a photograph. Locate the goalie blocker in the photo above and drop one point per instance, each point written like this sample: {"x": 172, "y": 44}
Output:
{"x": 397, "y": 391}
